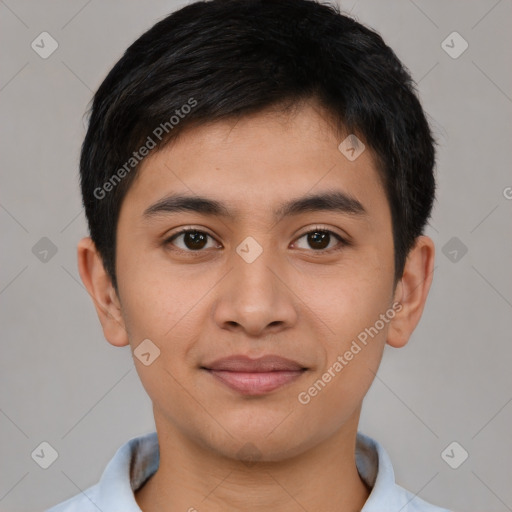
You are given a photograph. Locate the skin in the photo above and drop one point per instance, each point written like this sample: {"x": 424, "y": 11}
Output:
{"x": 294, "y": 300}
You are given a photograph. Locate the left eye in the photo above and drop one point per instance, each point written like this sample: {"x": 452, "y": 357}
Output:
{"x": 320, "y": 239}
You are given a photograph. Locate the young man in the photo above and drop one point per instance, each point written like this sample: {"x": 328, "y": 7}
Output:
{"x": 257, "y": 175}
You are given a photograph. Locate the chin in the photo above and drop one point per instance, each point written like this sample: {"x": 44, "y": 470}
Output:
{"x": 249, "y": 443}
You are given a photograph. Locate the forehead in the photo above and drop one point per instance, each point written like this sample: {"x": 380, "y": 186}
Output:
{"x": 258, "y": 162}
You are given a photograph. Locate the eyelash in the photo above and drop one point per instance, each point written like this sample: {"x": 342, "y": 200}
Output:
{"x": 342, "y": 242}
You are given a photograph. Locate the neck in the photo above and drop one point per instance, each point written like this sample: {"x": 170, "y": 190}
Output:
{"x": 192, "y": 478}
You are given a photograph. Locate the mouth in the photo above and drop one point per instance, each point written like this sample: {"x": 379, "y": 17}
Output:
{"x": 255, "y": 376}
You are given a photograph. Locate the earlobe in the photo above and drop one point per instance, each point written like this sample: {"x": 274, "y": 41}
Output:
{"x": 412, "y": 291}
{"x": 100, "y": 288}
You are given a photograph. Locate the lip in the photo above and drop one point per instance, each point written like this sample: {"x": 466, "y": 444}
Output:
{"x": 255, "y": 376}
{"x": 243, "y": 363}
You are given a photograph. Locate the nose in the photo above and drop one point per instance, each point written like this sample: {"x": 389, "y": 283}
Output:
{"x": 256, "y": 297}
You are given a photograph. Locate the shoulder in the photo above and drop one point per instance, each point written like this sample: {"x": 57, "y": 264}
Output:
{"x": 83, "y": 502}
{"x": 375, "y": 468}
{"x": 133, "y": 463}
{"x": 413, "y": 503}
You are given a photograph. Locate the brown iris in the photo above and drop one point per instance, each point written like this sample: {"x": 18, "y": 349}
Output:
{"x": 319, "y": 239}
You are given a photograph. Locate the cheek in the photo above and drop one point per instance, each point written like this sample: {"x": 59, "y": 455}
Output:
{"x": 153, "y": 299}
{"x": 352, "y": 357}
{"x": 169, "y": 311}
{"x": 357, "y": 311}
{"x": 350, "y": 302}
{"x": 165, "y": 313}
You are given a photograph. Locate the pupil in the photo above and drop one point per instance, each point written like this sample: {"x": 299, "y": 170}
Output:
{"x": 318, "y": 239}
{"x": 196, "y": 239}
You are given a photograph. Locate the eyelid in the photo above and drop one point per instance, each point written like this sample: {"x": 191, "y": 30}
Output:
{"x": 186, "y": 229}
{"x": 327, "y": 229}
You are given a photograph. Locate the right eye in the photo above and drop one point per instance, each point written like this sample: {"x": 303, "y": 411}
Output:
{"x": 192, "y": 240}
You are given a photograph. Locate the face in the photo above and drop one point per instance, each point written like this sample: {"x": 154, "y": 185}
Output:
{"x": 259, "y": 272}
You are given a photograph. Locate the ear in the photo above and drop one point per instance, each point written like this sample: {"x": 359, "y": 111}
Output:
{"x": 412, "y": 291}
{"x": 102, "y": 292}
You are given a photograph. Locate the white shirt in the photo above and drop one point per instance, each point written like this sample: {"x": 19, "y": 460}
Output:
{"x": 138, "y": 459}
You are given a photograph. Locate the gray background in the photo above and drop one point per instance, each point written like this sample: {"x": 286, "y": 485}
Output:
{"x": 62, "y": 383}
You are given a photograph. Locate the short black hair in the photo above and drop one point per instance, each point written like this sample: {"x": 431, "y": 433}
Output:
{"x": 223, "y": 59}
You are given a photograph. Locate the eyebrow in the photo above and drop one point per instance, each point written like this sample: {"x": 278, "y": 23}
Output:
{"x": 335, "y": 201}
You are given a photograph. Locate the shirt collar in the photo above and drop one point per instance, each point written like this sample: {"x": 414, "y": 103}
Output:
{"x": 138, "y": 459}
